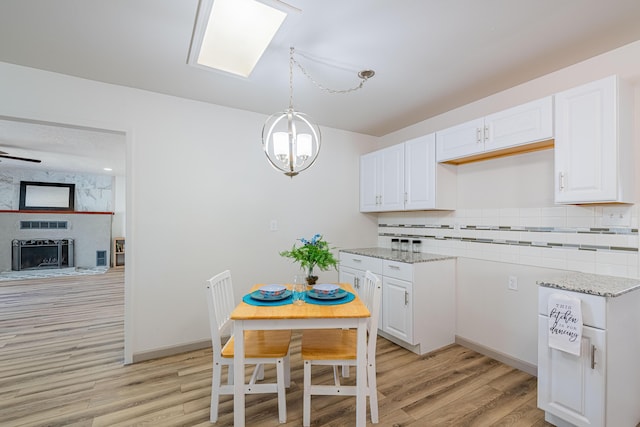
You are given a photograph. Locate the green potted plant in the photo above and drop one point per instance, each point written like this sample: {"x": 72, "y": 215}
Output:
{"x": 312, "y": 253}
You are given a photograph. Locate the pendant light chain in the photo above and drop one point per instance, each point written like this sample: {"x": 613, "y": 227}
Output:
{"x": 290, "y": 139}
{"x": 291, "y": 61}
{"x": 364, "y": 76}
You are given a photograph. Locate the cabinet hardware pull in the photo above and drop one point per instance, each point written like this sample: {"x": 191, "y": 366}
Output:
{"x": 356, "y": 282}
{"x": 405, "y": 197}
{"x": 486, "y": 133}
{"x": 593, "y": 357}
{"x": 394, "y": 267}
{"x": 561, "y": 181}
{"x": 406, "y": 298}
{"x": 356, "y": 260}
{"x": 478, "y": 136}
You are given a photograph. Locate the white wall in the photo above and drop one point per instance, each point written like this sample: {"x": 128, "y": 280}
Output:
{"x": 497, "y": 319}
{"x": 200, "y": 196}
{"x": 118, "y": 228}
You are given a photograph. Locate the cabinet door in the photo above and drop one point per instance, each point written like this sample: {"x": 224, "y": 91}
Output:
{"x": 420, "y": 173}
{"x": 370, "y": 182}
{"x": 352, "y": 276}
{"x": 523, "y": 124}
{"x": 392, "y": 189}
{"x": 569, "y": 386}
{"x": 586, "y": 143}
{"x": 355, "y": 278}
{"x": 460, "y": 141}
{"x": 397, "y": 311}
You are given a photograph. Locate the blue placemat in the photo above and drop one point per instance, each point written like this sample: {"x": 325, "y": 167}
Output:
{"x": 348, "y": 298}
{"x": 251, "y": 301}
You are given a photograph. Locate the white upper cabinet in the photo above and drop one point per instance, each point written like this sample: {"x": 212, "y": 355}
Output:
{"x": 382, "y": 180}
{"x": 406, "y": 177}
{"x": 462, "y": 140}
{"x": 593, "y": 144}
{"x": 370, "y": 177}
{"x": 523, "y": 124}
{"x": 519, "y": 126}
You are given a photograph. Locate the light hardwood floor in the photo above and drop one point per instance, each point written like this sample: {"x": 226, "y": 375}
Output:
{"x": 61, "y": 364}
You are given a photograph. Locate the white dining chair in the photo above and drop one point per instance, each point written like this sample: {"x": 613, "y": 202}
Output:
{"x": 261, "y": 347}
{"x": 337, "y": 348}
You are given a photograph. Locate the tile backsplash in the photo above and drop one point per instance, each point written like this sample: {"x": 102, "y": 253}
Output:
{"x": 591, "y": 239}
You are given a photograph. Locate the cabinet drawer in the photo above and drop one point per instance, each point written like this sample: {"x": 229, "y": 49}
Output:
{"x": 593, "y": 306}
{"x": 399, "y": 270}
{"x": 361, "y": 262}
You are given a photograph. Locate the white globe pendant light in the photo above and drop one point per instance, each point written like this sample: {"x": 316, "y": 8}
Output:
{"x": 290, "y": 139}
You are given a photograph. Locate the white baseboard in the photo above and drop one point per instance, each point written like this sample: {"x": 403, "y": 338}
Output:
{"x": 170, "y": 351}
{"x": 500, "y": 357}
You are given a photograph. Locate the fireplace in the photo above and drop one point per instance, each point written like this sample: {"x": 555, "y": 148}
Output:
{"x": 41, "y": 254}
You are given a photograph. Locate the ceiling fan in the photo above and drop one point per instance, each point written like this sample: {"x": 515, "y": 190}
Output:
{"x": 24, "y": 159}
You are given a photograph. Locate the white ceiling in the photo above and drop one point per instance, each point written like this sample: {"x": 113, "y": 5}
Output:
{"x": 430, "y": 56}
{"x": 62, "y": 148}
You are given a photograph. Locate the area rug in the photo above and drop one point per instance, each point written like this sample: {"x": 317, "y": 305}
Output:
{"x": 57, "y": 272}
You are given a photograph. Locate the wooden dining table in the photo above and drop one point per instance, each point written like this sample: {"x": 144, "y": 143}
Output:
{"x": 352, "y": 315}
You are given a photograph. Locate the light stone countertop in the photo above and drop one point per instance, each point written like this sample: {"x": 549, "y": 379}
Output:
{"x": 594, "y": 284}
{"x": 398, "y": 256}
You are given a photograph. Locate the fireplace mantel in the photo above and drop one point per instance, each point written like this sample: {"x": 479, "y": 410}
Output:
{"x": 41, "y": 212}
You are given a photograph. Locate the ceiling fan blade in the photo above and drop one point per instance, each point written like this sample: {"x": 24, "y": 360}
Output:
{"x": 24, "y": 159}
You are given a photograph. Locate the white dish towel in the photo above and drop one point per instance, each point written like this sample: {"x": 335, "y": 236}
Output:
{"x": 565, "y": 323}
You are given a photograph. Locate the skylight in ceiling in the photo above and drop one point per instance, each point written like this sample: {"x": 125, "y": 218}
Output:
{"x": 232, "y": 35}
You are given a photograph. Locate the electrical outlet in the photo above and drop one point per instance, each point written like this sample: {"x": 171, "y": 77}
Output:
{"x": 616, "y": 216}
{"x": 513, "y": 283}
{"x": 273, "y": 225}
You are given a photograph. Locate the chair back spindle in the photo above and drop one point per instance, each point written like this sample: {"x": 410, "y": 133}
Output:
{"x": 221, "y": 303}
{"x": 371, "y": 295}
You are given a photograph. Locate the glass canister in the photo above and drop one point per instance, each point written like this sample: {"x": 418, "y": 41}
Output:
{"x": 416, "y": 246}
{"x": 395, "y": 244}
{"x": 404, "y": 245}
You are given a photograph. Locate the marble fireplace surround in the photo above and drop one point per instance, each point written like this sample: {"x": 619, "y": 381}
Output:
{"x": 91, "y": 232}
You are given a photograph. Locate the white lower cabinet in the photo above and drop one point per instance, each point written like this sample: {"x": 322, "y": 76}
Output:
{"x": 418, "y": 299}
{"x": 564, "y": 378}
{"x": 353, "y": 267}
{"x": 397, "y": 306}
{"x": 601, "y": 387}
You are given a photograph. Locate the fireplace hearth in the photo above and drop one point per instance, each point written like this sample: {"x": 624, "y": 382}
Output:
{"x": 37, "y": 254}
